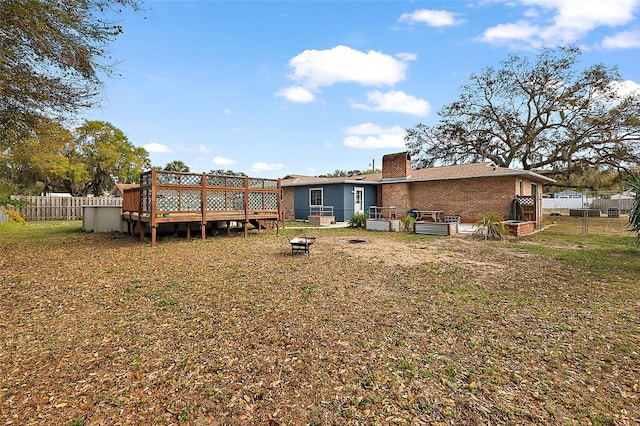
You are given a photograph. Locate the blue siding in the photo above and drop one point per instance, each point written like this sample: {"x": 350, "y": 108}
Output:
{"x": 340, "y": 196}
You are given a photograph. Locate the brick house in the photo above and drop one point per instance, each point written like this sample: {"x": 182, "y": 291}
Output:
{"x": 466, "y": 191}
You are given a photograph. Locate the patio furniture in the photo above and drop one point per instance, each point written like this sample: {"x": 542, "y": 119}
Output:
{"x": 436, "y": 215}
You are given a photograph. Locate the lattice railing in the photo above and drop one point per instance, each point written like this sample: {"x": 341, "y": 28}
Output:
{"x": 183, "y": 192}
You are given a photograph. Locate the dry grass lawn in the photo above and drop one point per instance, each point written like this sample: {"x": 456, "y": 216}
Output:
{"x": 101, "y": 329}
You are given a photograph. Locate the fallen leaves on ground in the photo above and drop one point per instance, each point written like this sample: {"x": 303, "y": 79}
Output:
{"x": 231, "y": 330}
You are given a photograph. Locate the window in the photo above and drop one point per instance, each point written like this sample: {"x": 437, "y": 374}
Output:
{"x": 315, "y": 197}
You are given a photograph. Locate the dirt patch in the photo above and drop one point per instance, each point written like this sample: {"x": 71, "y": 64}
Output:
{"x": 390, "y": 251}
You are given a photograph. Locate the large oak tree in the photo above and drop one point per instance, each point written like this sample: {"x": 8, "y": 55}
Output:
{"x": 108, "y": 156}
{"x": 542, "y": 114}
{"x": 91, "y": 159}
{"x": 52, "y": 56}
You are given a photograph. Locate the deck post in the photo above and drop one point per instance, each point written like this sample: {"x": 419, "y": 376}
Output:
{"x": 203, "y": 208}
{"x": 246, "y": 206}
{"x": 280, "y": 212}
{"x": 153, "y": 235}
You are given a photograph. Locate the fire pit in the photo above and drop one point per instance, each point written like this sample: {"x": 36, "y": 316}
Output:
{"x": 356, "y": 240}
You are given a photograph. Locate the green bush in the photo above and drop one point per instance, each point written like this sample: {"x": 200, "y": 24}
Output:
{"x": 491, "y": 227}
{"x": 358, "y": 220}
{"x": 408, "y": 223}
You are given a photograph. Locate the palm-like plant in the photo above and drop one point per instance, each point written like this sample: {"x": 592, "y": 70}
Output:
{"x": 491, "y": 227}
{"x": 634, "y": 213}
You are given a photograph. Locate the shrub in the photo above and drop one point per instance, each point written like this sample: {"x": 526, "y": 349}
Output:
{"x": 408, "y": 222}
{"x": 491, "y": 227}
{"x": 14, "y": 215}
{"x": 357, "y": 220}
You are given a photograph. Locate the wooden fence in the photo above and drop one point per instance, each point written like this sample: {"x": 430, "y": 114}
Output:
{"x": 59, "y": 208}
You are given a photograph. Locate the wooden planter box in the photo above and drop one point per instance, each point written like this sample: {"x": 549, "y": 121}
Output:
{"x": 321, "y": 220}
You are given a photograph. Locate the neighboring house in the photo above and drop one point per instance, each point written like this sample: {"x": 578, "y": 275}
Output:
{"x": 568, "y": 194}
{"x": 119, "y": 189}
{"x": 466, "y": 191}
{"x": 303, "y": 195}
{"x": 627, "y": 195}
{"x": 567, "y": 200}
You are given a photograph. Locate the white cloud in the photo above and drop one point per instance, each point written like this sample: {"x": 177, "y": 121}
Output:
{"x": 157, "y": 147}
{"x": 264, "y": 167}
{"x": 556, "y": 22}
{"x": 227, "y": 111}
{"x": 222, "y": 161}
{"x": 622, "y": 40}
{"x": 521, "y": 31}
{"x": 321, "y": 68}
{"x": 395, "y": 101}
{"x": 626, "y": 88}
{"x": 203, "y": 149}
{"x": 433, "y": 18}
{"x": 371, "y": 136}
{"x": 296, "y": 94}
{"x": 405, "y": 56}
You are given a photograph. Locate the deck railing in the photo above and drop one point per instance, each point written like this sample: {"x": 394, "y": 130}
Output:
{"x": 165, "y": 196}
{"x": 321, "y": 211}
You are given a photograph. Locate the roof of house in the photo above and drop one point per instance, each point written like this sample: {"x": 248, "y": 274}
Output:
{"x": 475, "y": 170}
{"x": 301, "y": 180}
{"x": 464, "y": 171}
{"x": 121, "y": 187}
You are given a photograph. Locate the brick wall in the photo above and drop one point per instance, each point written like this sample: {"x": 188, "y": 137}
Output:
{"x": 517, "y": 229}
{"x": 396, "y": 165}
{"x": 395, "y": 194}
{"x": 467, "y": 198}
{"x": 288, "y": 203}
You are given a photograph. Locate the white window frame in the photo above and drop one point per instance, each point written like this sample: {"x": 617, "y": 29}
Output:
{"x": 321, "y": 197}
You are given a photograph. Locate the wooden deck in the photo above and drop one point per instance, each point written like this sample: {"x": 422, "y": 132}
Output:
{"x": 174, "y": 197}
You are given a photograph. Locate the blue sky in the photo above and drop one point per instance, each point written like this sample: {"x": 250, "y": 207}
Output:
{"x": 271, "y": 88}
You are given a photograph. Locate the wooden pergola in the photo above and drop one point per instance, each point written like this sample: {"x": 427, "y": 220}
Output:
{"x": 176, "y": 197}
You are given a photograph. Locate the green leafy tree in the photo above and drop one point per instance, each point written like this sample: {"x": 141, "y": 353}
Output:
{"x": 52, "y": 54}
{"x": 226, "y": 172}
{"x": 534, "y": 115}
{"x": 39, "y": 163}
{"x": 176, "y": 166}
{"x": 634, "y": 214}
{"x": 107, "y": 156}
{"x": 589, "y": 178}
{"x": 345, "y": 173}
